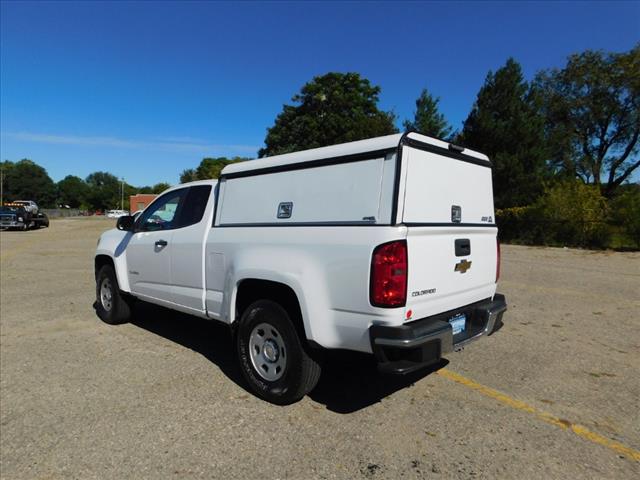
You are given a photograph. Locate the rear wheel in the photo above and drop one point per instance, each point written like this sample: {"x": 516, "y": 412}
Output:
{"x": 272, "y": 357}
{"x": 111, "y": 307}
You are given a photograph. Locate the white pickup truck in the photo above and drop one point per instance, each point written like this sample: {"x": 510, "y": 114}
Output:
{"x": 386, "y": 246}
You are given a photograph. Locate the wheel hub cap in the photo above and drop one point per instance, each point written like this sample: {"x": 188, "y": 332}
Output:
{"x": 270, "y": 351}
{"x": 106, "y": 294}
{"x": 267, "y": 352}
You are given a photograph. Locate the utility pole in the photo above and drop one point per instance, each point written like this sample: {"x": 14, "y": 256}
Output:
{"x": 1, "y": 187}
{"x": 122, "y": 193}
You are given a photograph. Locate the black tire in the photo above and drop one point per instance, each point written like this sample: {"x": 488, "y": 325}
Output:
{"x": 300, "y": 373}
{"x": 44, "y": 220}
{"x": 116, "y": 309}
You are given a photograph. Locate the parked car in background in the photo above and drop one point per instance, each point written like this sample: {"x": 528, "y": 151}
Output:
{"x": 386, "y": 246}
{"x": 116, "y": 213}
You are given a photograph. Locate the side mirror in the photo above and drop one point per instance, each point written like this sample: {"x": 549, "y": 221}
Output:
{"x": 126, "y": 223}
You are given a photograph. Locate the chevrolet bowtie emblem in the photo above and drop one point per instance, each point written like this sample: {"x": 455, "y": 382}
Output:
{"x": 462, "y": 266}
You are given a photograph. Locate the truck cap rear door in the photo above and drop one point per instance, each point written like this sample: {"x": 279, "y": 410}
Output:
{"x": 451, "y": 239}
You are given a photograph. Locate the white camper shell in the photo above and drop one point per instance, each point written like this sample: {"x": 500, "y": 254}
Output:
{"x": 433, "y": 192}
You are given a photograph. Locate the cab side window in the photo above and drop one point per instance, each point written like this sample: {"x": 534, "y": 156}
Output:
{"x": 194, "y": 206}
{"x": 163, "y": 213}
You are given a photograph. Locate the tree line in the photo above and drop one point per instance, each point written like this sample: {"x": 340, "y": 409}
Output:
{"x": 26, "y": 180}
{"x": 564, "y": 145}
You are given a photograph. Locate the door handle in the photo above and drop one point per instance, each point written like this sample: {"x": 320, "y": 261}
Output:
{"x": 162, "y": 243}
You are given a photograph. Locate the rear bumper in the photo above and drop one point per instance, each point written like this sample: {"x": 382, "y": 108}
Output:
{"x": 423, "y": 342}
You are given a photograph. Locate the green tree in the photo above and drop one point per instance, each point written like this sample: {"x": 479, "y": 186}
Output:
{"x": 427, "y": 118}
{"x": 26, "y": 180}
{"x": 505, "y": 124}
{"x": 572, "y": 213}
{"x": 5, "y": 167}
{"x": 211, "y": 167}
{"x": 592, "y": 107}
{"x": 72, "y": 191}
{"x": 333, "y": 108}
{"x": 104, "y": 191}
{"x": 626, "y": 211}
{"x": 160, "y": 187}
{"x": 188, "y": 175}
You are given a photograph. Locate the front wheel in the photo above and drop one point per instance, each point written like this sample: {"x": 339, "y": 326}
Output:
{"x": 111, "y": 307}
{"x": 272, "y": 357}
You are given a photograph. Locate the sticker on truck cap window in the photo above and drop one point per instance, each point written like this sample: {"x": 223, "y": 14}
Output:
{"x": 456, "y": 214}
{"x": 285, "y": 209}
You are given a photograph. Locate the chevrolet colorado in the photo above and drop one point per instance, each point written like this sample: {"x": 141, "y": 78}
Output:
{"x": 386, "y": 246}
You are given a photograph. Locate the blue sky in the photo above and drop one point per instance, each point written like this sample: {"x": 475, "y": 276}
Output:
{"x": 145, "y": 90}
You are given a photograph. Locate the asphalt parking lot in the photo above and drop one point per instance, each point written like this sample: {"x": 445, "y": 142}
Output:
{"x": 554, "y": 394}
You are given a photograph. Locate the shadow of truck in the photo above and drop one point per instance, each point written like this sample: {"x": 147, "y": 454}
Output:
{"x": 350, "y": 381}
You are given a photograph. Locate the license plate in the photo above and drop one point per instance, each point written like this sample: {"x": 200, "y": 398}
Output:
{"x": 458, "y": 323}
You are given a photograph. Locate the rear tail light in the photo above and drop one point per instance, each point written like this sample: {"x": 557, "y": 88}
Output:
{"x": 389, "y": 275}
{"x": 498, "y": 260}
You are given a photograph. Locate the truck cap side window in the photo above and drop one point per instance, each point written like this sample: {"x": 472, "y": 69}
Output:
{"x": 162, "y": 214}
{"x": 193, "y": 207}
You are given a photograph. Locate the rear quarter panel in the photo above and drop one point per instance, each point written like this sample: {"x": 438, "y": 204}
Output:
{"x": 327, "y": 267}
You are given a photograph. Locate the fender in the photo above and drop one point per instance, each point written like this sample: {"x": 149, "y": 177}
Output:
{"x": 299, "y": 270}
{"x": 112, "y": 244}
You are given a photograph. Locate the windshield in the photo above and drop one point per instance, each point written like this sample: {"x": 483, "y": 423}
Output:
{"x": 5, "y": 209}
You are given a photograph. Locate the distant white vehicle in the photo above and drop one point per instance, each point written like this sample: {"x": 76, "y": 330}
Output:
{"x": 117, "y": 213}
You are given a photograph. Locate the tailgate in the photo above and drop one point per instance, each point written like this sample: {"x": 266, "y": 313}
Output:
{"x": 451, "y": 238}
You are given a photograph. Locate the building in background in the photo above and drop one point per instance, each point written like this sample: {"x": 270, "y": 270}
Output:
{"x": 140, "y": 201}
